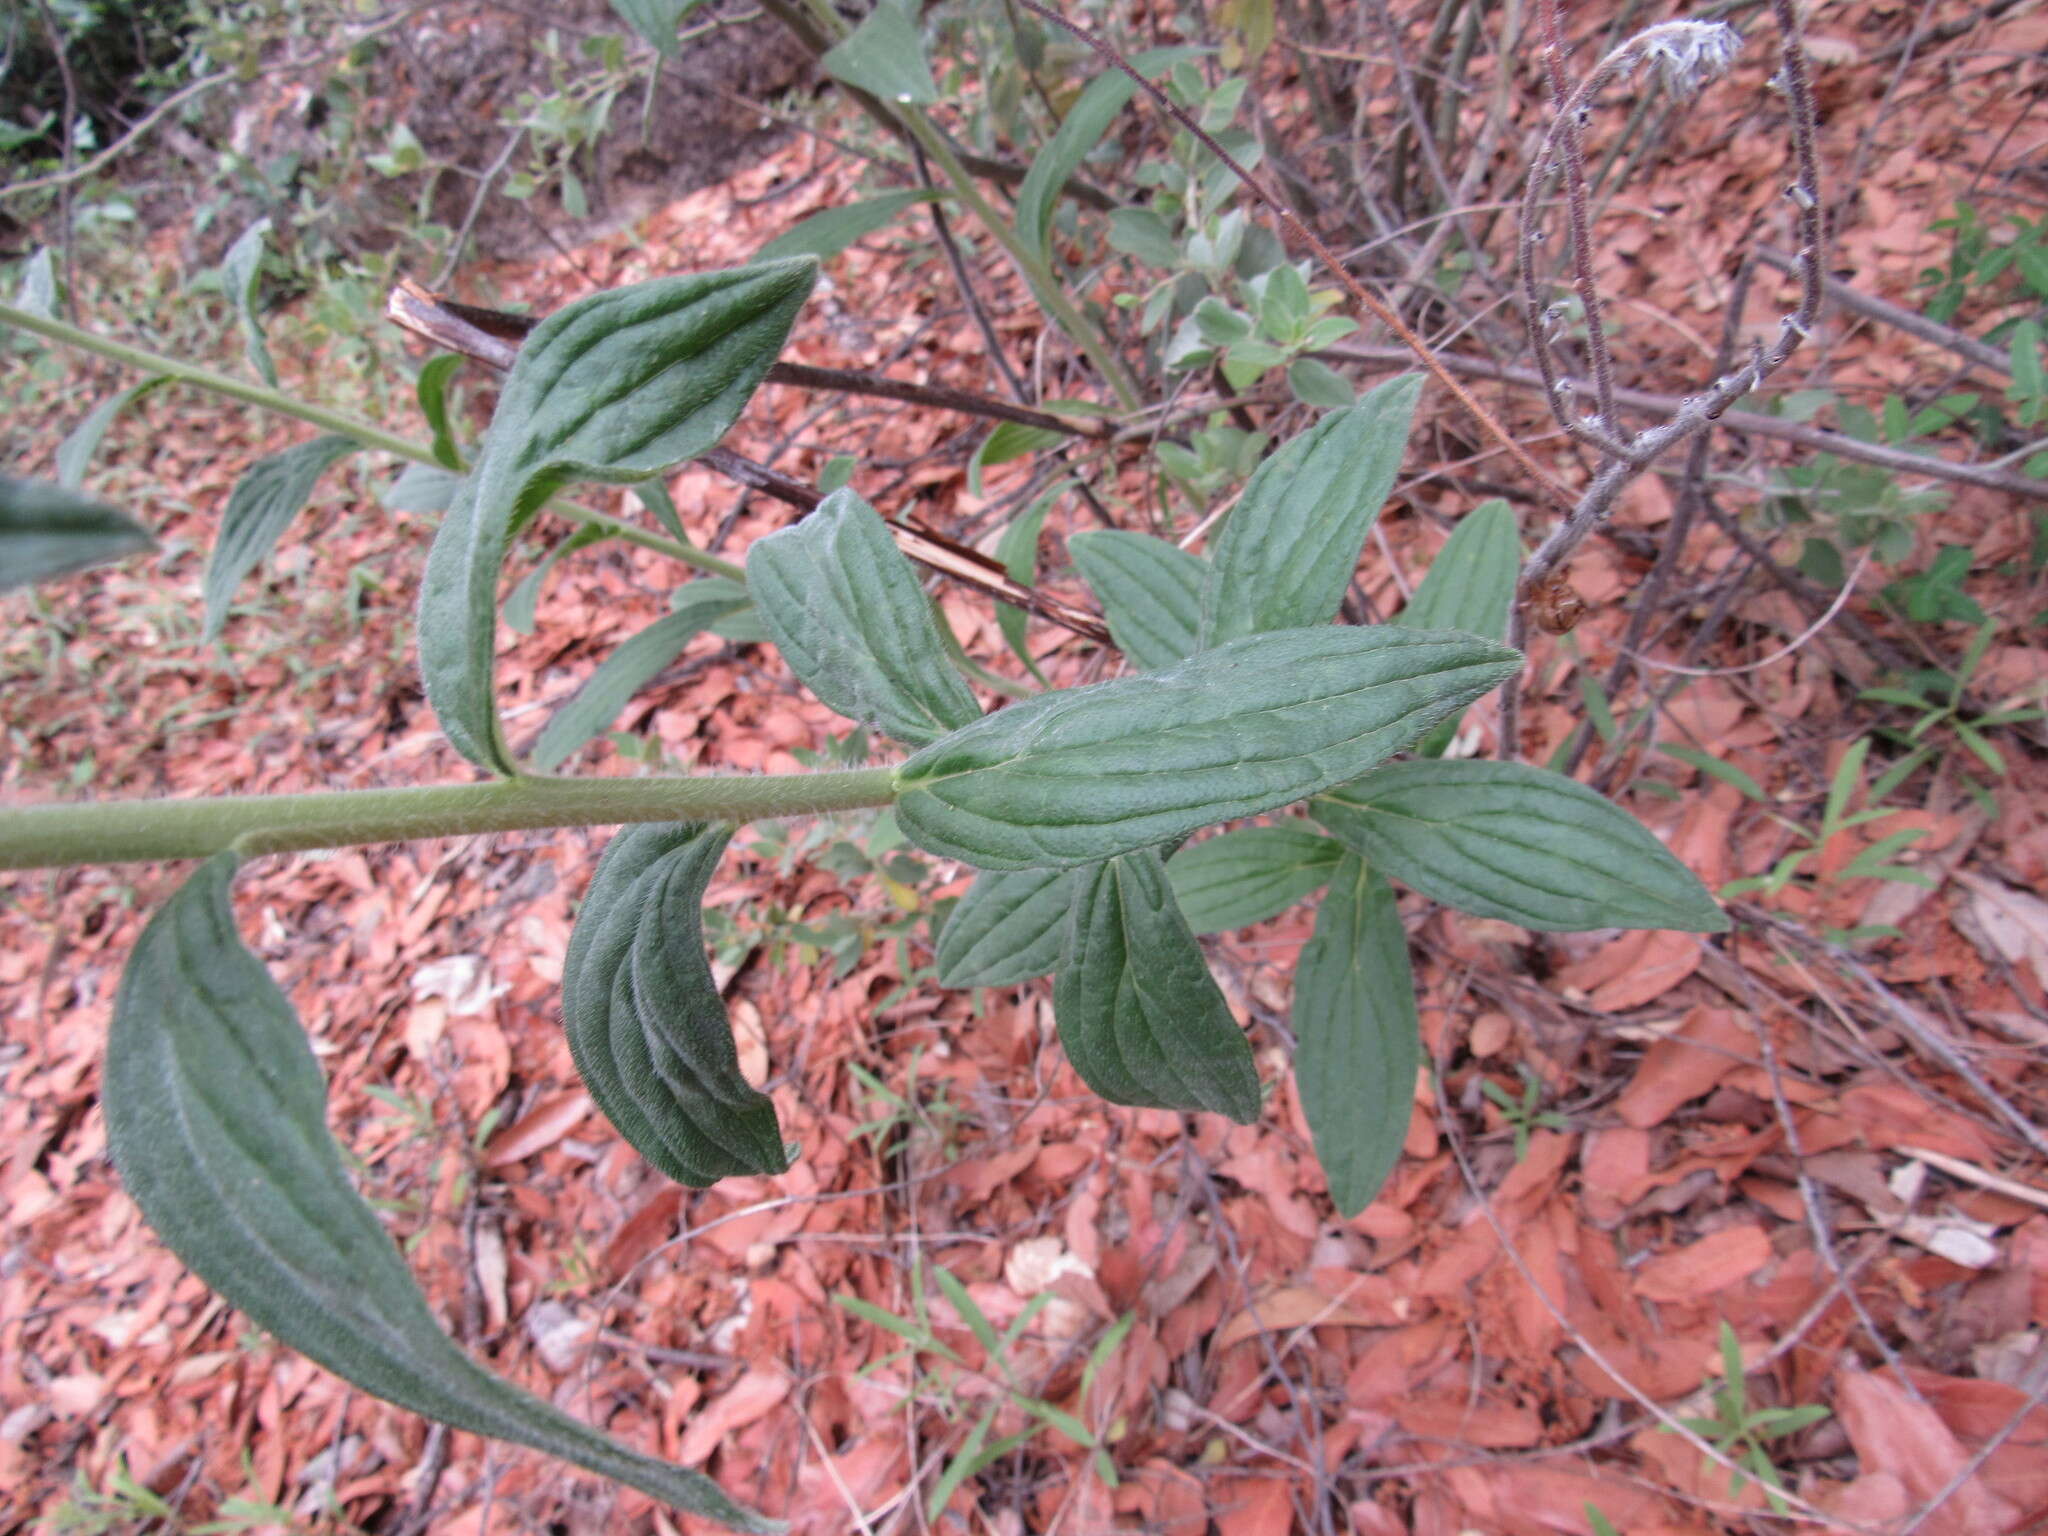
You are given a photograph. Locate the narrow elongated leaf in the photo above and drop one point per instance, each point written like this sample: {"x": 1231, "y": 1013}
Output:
{"x": 1151, "y": 593}
{"x": 623, "y": 673}
{"x": 885, "y": 57}
{"x": 75, "y": 453}
{"x": 1249, "y": 875}
{"x": 241, "y": 272}
{"x": 1018, "y": 551}
{"x": 1007, "y": 929}
{"x": 38, "y": 293}
{"x": 645, "y": 1021}
{"x": 1519, "y": 843}
{"x": 217, "y": 1119}
{"x": 846, "y": 610}
{"x": 1087, "y": 773}
{"x": 523, "y": 600}
{"x": 47, "y": 530}
{"x": 656, "y": 21}
{"x": 828, "y": 233}
{"x": 1290, "y": 545}
{"x": 260, "y": 508}
{"x": 616, "y": 387}
{"x": 432, "y": 390}
{"x": 1079, "y": 132}
{"x": 1470, "y": 585}
{"x": 1010, "y": 440}
{"x": 1358, "y": 1043}
{"x": 1140, "y": 1016}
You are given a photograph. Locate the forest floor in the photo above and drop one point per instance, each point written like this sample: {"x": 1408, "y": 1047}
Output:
{"x": 1831, "y": 1153}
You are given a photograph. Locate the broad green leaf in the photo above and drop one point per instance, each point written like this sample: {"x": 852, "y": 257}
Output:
{"x": 1470, "y": 585}
{"x": 1290, "y": 545}
{"x": 75, "y": 453}
{"x": 616, "y": 387}
{"x": 1086, "y": 773}
{"x": 1519, "y": 843}
{"x": 241, "y": 272}
{"x": 422, "y": 488}
{"x": 217, "y": 1120}
{"x": 1007, "y": 929}
{"x": 38, "y": 294}
{"x": 1319, "y": 384}
{"x": 1141, "y": 1018}
{"x": 260, "y": 508}
{"x": 645, "y": 1021}
{"x": 1358, "y": 1044}
{"x": 431, "y": 388}
{"x": 47, "y": 530}
{"x": 1079, "y": 132}
{"x": 1151, "y": 593}
{"x": 624, "y": 673}
{"x": 1010, "y": 440}
{"x": 846, "y": 610}
{"x": 1018, "y": 551}
{"x": 885, "y": 57}
{"x": 1247, "y": 876}
{"x": 827, "y": 234}
{"x": 656, "y": 21}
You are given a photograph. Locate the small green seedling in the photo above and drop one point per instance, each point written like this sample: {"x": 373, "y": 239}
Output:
{"x": 1739, "y": 1431}
{"x": 1522, "y": 1115}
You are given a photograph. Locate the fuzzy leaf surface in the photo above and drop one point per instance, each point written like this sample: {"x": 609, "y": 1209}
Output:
{"x": 1151, "y": 593}
{"x": 885, "y": 57}
{"x": 1358, "y": 1042}
{"x": 1518, "y": 843}
{"x": 217, "y": 1119}
{"x": 1007, "y": 929}
{"x": 260, "y": 508}
{"x": 646, "y": 1024}
{"x": 1084, "y": 774}
{"x": 1141, "y": 1018}
{"x": 848, "y": 613}
{"x": 1470, "y": 585}
{"x": 47, "y": 530}
{"x": 75, "y": 453}
{"x": 1290, "y": 545}
{"x": 1249, "y": 875}
{"x": 616, "y": 387}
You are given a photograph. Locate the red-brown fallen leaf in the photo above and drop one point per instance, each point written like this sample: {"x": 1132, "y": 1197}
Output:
{"x": 733, "y": 1409}
{"x": 1635, "y": 969}
{"x": 644, "y": 1231}
{"x": 1454, "y": 1418}
{"x": 1252, "y": 1506}
{"x": 1892, "y": 1433}
{"x": 1369, "y": 1302}
{"x": 1686, "y": 1065}
{"x": 1699, "y": 1269}
{"x": 555, "y": 1116}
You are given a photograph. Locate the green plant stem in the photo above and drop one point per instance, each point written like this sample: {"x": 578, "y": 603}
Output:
{"x": 123, "y": 831}
{"x": 366, "y": 433}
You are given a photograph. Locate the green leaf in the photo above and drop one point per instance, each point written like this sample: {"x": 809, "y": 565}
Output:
{"x": 644, "y": 1019}
{"x": 47, "y": 530}
{"x": 1469, "y": 586}
{"x": 1140, "y": 1016}
{"x": 77, "y": 449}
{"x": 1151, "y": 593}
{"x": 1010, "y": 440}
{"x": 422, "y": 488}
{"x": 616, "y": 387}
{"x": 1289, "y": 548}
{"x": 1247, "y": 876}
{"x": 522, "y": 601}
{"x": 260, "y": 508}
{"x": 846, "y": 609}
{"x": 1006, "y": 930}
{"x": 828, "y": 233}
{"x": 653, "y": 495}
{"x": 1319, "y": 384}
{"x": 885, "y": 58}
{"x": 1079, "y": 132}
{"x": 624, "y": 673}
{"x": 1018, "y": 551}
{"x": 1358, "y": 1041}
{"x": 1713, "y": 767}
{"x": 1518, "y": 843}
{"x": 217, "y": 1119}
{"x": 1086, "y": 773}
{"x": 431, "y": 388}
{"x": 656, "y": 21}
{"x": 241, "y": 272}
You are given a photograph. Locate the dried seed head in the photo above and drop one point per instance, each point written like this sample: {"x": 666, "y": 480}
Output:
{"x": 1688, "y": 54}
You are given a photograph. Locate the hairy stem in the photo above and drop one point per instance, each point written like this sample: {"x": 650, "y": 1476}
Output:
{"x": 124, "y": 831}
